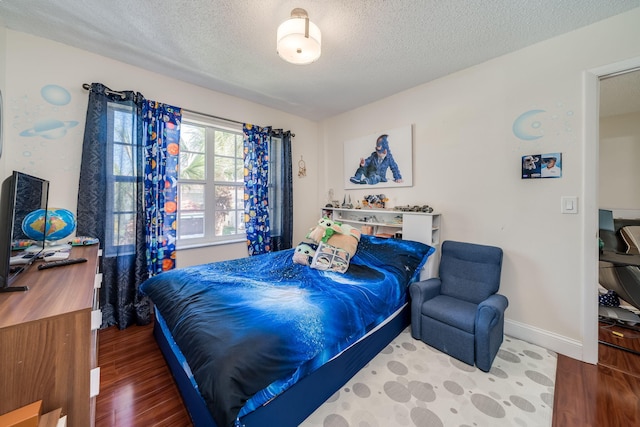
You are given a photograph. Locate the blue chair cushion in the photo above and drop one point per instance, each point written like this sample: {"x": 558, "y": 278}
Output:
{"x": 451, "y": 311}
{"x": 469, "y": 271}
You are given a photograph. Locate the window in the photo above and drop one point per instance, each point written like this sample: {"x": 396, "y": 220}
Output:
{"x": 275, "y": 192}
{"x": 210, "y": 183}
{"x": 122, "y": 159}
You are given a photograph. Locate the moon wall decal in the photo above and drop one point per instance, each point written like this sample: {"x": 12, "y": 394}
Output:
{"x": 527, "y": 127}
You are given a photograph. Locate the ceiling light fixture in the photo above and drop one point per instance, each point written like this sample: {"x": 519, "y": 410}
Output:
{"x": 298, "y": 39}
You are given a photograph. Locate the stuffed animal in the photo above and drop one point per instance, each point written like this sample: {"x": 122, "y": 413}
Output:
{"x": 336, "y": 234}
{"x": 348, "y": 230}
{"x": 324, "y": 230}
{"x": 336, "y": 237}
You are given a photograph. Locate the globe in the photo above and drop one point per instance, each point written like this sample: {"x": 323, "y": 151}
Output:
{"x": 60, "y": 224}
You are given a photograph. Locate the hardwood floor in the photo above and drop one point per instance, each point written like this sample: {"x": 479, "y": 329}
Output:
{"x": 137, "y": 389}
{"x": 136, "y": 386}
{"x": 606, "y": 395}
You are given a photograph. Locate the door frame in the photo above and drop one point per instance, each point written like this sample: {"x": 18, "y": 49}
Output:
{"x": 590, "y": 178}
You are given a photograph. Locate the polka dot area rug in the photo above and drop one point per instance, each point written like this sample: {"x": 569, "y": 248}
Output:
{"x": 411, "y": 384}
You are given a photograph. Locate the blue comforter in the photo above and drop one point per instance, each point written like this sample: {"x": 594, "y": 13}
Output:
{"x": 250, "y": 328}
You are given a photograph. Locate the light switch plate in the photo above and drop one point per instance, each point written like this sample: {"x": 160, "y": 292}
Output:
{"x": 569, "y": 204}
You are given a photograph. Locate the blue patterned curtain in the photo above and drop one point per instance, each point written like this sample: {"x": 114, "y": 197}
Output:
{"x": 162, "y": 149}
{"x": 127, "y": 196}
{"x": 256, "y": 188}
{"x": 110, "y": 201}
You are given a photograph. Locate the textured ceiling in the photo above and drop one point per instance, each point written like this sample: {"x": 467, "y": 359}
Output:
{"x": 370, "y": 49}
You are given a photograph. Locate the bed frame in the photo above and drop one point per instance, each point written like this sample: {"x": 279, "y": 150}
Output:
{"x": 295, "y": 404}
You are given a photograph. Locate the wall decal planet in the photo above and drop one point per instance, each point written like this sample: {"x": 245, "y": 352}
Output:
{"x": 527, "y": 126}
{"x": 49, "y": 128}
{"x": 55, "y": 95}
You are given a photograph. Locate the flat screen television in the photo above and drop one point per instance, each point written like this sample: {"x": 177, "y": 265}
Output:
{"x": 21, "y": 195}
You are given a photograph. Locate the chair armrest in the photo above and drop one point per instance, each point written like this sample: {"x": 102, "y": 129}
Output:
{"x": 489, "y": 330}
{"x": 425, "y": 290}
{"x": 421, "y": 292}
{"x": 490, "y": 311}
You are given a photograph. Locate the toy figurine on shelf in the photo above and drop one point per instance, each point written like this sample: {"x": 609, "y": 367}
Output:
{"x": 376, "y": 201}
{"x": 416, "y": 208}
{"x": 330, "y": 199}
{"x": 345, "y": 204}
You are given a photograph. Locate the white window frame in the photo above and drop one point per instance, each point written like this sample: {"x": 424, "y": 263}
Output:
{"x": 209, "y": 183}
{"x": 113, "y": 244}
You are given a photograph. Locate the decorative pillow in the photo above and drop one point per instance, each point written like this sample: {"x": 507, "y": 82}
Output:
{"x": 345, "y": 242}
{"x": 631, "y": 236}
{"x": 330, "y": 258}
{"x": 304, "y": 253}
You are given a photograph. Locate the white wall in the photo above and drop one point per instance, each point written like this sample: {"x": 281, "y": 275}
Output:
{"x": 3, "y": 114}
{"x": 619, "y": 162}
{"x": 467, "y": 166}
{"x": 32, "y": 63}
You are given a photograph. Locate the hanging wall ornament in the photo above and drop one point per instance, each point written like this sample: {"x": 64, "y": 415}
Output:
{"x": 302, "y": 168}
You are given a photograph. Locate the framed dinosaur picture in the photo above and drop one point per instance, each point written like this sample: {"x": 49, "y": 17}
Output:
{"x": 379, "y": 160}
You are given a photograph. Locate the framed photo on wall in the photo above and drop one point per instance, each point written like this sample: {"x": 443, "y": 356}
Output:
{"x": 379, "y": 160}
{"x": 542, "y": 166}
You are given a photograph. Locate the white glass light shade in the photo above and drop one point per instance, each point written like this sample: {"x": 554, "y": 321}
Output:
{"x": 292, "y": 44}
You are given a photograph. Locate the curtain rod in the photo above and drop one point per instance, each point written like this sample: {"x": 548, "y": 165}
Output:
{"x": 293, "y": 135}
{"x": 87, "y": 86}
{"x": 212, "y": 116}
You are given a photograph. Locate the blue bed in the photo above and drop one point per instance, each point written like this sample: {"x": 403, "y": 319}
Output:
{"x": 263, "y": 341}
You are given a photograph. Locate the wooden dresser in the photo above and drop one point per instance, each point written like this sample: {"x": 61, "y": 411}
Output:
{"x": 48, "y": 339}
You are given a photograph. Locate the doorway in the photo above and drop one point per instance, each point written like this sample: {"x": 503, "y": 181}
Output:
{"x": 590, "y": 255}
{"x": 619, "y": 211}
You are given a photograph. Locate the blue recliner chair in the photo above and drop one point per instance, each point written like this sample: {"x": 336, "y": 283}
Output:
{"x": 460, "y": 313}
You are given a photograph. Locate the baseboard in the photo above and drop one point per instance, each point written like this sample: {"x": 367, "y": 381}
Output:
{"x": 549, "y": 340}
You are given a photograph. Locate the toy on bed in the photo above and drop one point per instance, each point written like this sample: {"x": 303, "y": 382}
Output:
{"x": 332, "y": 246}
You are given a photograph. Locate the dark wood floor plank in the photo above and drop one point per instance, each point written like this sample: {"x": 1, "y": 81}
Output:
{"x": 603, "y": 395}
{"x": 136, "y": 386}
{"x": 137, "y": 389}
{"x": 618, "y": 399}
{"x": 573, "y": 379}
